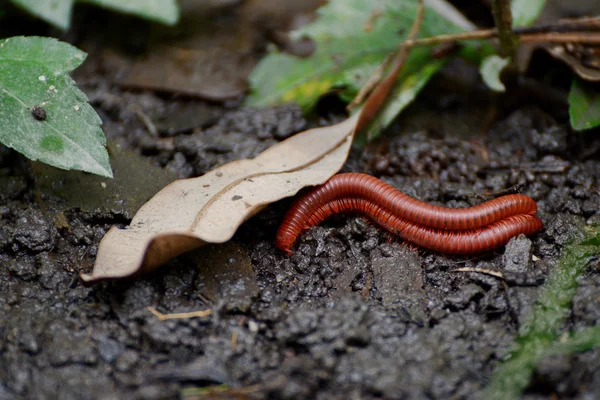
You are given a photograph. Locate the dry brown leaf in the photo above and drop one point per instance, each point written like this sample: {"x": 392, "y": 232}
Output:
{"x": 215, "y": 75}
{"x": 586, "y": 72}
{"x": 191, "y": 212}
{"x": 211, "y": 52}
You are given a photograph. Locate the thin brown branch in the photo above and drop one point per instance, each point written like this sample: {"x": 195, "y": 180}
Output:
{"x": 551, "y": 37}
{"x": 569, "y": 25}
{"x": 583, "y": 38}
{"x": 470, "y": 35}
{"x": 373, "y": 81}
{"x": 485, "y": 271}
{"x": 380, "y": 94}
{"x": 377, "y": 76}
{"x": 193, "y": 314}
{"x": 503, "y": 19}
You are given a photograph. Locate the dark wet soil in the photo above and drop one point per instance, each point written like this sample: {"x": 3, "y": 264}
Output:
{"x": 353, "y": 314}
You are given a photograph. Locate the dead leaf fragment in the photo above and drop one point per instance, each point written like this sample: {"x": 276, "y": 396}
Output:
{"x": 209, "y": 75}
{"x": 586, "y": 69}
{"x": 191, "y": 212}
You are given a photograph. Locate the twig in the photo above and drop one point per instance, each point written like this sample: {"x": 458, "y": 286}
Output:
{"x": 380, "y": 94}
{"x": 146, "y": 120}
{"x": 559, "y": 33}
{"x": 234, "y": 339}
{"x": 371, "y": 83}
{"x": 503, "y": 19}
{"x": 588, "y": 38}
{"x": 201, "y": 392}
{"x": 481, "y": 271}
{"x": 518, "y": 188}
{"x": 567, "y": 25}
{"x": 375, "y": 79}
{"x": 164, "y": 317}
{"x": 451, "y": 37}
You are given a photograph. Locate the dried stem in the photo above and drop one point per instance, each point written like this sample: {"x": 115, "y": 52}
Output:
{"x": 553, "y": 33}
{"x": 380, "y": 94}
{"x": 566, "y": 25}
{"x": 193, "y": 314}
{"x": 587, "y": 38}
{"x": 503, "y": 18}
{"x": 373, "y": 81}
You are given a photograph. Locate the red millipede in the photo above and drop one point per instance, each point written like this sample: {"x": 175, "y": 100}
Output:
{"x": 457, "y": 231}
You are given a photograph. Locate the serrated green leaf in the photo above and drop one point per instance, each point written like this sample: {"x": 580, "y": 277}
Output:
{"x": 66, "y": 134}
{"x": 525, "y": 12}
{"x": 163, "y": 11}
{"x": 490, "y": 70}
{"x": 55, "y": 12}
{"x": 584, "y": 105}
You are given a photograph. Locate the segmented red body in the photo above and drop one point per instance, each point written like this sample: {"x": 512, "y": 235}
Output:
{"x": 468, "y": 241}
{"x": 457, "y": 231}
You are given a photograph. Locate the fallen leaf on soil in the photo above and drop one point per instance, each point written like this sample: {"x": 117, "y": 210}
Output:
{"x": 191, "y": 212}
{"x": 188, "y": 71}
{"x": 584, "y": 66}
{"x": 210, "y": 53}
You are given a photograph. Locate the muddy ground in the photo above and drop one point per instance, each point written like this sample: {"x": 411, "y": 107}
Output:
{"x": 353, "y": 314}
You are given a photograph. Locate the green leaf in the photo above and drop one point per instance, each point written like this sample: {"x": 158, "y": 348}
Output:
{"x": 55, "y": 12}
{"x": 539, "y": 333}
{"x": 490, "y": 70}
{"x": 163, "y": 11}
{"x": 417, "y": 71}
{"x": 352, "y": 38}
{"x": 584, "y": 105}
{"x": 34, "y": 73}
{"x": 525, "y": 12}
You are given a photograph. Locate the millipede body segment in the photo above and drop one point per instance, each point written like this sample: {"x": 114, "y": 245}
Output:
{"x": 456, "y": 231}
